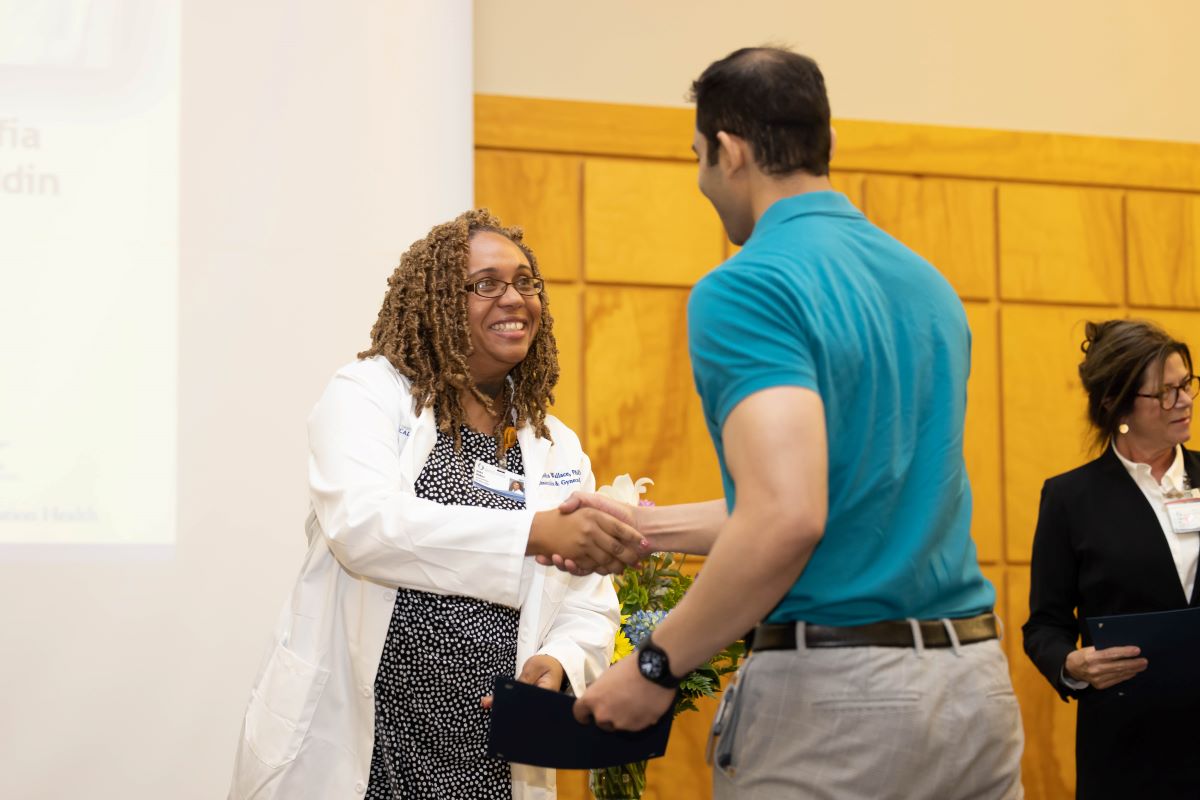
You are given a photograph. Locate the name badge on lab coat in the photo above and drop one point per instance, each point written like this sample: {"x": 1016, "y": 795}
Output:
{"x": 508, "y": 484}
{"x": 1184, "y": 514}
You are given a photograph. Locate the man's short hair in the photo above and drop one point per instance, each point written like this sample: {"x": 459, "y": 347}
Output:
{"x": 774, "y": 99}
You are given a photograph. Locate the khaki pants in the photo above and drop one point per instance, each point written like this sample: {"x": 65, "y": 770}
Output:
{"x": 874, "y": 723}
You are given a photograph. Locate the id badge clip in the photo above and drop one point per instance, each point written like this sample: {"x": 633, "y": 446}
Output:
{"x": 500, "y": 481}
{"x": 1184, "y": 513}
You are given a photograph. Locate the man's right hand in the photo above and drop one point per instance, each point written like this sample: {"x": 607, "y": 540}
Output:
{"x": 578, "y": 500}
{"x": 622, "y": 511}
{"x": 1104, "y": 668}
{"x": 590, "y": 539}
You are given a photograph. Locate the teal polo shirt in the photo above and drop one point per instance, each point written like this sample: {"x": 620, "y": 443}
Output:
{"x": 821, "y": 298}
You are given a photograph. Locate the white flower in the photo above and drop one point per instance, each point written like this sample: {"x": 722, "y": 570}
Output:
{"x": 625, "y": 490}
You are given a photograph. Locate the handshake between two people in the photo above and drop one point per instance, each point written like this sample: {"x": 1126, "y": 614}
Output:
{"x": 588, "y": 533}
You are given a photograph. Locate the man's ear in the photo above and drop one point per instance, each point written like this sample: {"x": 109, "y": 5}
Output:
{"x": 733, "y": 153}
{"x": 832, "y": 142}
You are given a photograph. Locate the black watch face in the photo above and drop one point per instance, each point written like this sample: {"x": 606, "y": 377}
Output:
{"x": 651, "y": 664}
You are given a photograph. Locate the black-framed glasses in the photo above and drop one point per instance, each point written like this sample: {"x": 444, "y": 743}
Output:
{"x": 494, "y": 287}
{"x": 1169, "y": 395}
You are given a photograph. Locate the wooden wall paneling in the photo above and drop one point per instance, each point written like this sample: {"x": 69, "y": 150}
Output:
{"x": 1061, "y": 244}
{"x": 1164, "y": 249}
{"x": 849, "y": 184}
{"x": 1044, "y": 408}
{"x": 1015, "y": 155}
{"x": 541, "y": 193}
{"x": 646, "y": 222}
{"x": 572, "y": 785}
{"x": 643, "y": 415}
{"x": 1048, "y": 766}
{"x": 563, "y": 126}
{"x": 949, "y": 222}
{"x": 566, "y": 306}
{"x": 981, "y": 437}
{"x": 557, "y": 126}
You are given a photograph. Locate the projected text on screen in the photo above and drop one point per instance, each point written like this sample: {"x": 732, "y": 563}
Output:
{"x": 89, "y": 187}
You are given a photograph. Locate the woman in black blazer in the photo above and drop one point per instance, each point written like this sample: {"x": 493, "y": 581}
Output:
{"x": 1105, "y": 545}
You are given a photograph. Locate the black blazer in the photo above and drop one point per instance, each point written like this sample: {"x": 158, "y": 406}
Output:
{"x": 1099, "y": 550}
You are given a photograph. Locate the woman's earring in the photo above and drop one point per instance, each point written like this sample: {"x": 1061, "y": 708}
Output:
{"x": 1122, "y": 428}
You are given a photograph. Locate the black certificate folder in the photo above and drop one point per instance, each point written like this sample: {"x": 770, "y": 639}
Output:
{"x": 536, "y": 726}
{"x": 1170, "y": 642}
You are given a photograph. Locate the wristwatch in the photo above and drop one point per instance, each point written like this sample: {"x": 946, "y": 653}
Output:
{"x": 654, "y": 665}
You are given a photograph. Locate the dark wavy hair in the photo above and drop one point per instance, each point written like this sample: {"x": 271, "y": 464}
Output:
{"x": 422, "y": 330}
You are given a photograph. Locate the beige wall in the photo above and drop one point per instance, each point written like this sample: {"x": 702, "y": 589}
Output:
{"x": 1124, "y": 68}
{"x": 127, "y": 680}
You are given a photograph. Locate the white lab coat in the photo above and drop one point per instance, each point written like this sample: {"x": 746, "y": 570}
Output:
{"x": 309, "y": 728}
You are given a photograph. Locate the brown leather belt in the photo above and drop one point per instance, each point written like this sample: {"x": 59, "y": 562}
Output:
{"x": 891, "y": 633}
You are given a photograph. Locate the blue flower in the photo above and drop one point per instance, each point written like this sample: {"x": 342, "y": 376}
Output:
{"x": 641, "y": 623}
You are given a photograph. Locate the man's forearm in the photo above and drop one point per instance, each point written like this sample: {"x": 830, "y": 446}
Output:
{"x": 685, "y": 528}
{"x": 754, "y": 561}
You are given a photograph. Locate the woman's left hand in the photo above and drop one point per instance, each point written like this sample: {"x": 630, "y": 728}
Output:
{"x": 544, "y": 672}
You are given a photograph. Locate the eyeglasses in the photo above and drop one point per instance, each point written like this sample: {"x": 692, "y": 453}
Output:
{"x": 1169, "y": 395}
{"x": 494, "y": 287}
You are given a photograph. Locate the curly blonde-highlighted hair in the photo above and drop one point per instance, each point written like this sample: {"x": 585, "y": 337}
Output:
{"x": 422, "y": 330}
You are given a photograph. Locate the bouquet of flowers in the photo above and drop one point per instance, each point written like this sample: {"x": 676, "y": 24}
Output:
{"x": 647, "y": 593}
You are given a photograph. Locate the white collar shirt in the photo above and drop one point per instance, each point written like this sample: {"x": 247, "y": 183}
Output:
{"x": 1185, "y": 547}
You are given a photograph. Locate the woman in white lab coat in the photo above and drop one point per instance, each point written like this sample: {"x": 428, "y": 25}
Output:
{"x": 420, "y": 583}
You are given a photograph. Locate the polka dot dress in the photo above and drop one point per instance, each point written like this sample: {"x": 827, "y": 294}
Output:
{"x": 439, "y": 658}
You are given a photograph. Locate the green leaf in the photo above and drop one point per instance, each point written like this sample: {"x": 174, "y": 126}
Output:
{"x": 685, "y": 704}
{"x": 658, "y": 585}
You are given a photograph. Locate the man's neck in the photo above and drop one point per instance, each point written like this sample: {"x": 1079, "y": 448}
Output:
{"x": 767, "y": 190}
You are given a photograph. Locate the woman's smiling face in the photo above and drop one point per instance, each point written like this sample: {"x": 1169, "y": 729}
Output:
{"x": 502, "y": 328}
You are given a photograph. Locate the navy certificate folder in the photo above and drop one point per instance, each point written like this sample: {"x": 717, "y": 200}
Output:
{"x": 1170, "y": 642}
{"x": 537, "y": 727}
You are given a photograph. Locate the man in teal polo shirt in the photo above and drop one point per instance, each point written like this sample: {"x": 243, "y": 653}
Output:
{"x": 831, "y": 362}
